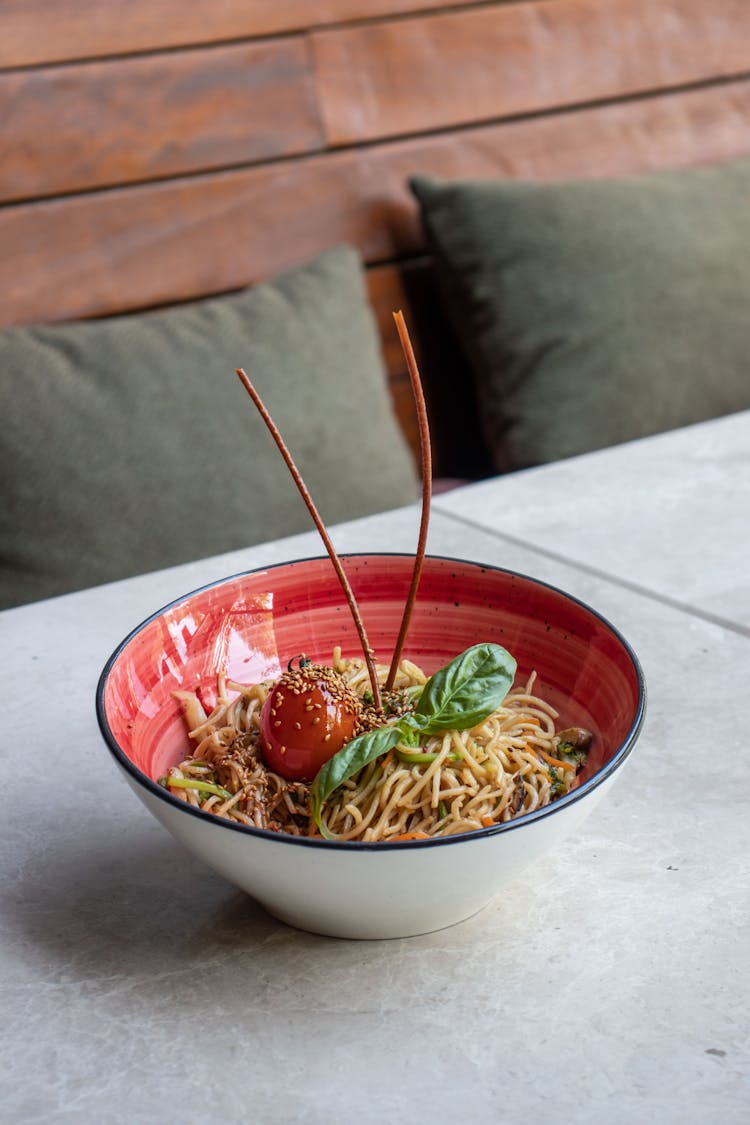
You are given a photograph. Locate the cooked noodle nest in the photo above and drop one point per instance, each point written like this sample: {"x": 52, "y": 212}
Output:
{"x": 504, "y": 767}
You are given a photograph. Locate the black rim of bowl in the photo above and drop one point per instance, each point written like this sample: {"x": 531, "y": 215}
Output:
{"x": 606, "y": 771}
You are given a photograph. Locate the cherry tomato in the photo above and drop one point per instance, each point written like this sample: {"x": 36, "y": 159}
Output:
{"x": 308, "y": 716}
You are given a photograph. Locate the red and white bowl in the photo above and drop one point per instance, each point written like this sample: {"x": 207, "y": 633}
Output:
{"x": 251, "y": 624}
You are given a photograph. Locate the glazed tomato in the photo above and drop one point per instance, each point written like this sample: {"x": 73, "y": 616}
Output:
{"x": 308, "y": 716}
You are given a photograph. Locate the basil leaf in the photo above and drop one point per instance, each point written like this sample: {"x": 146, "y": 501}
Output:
{"x": 459, "y": 696}
{"x": 349, "y": 760}
{"x": 467, "y": 690}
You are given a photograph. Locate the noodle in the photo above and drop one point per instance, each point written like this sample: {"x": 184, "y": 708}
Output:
{"x": 457, "y": 781}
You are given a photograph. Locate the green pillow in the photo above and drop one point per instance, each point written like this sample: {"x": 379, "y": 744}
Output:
{"x": 129, "y": 444}
{"x": 594, "y": 312}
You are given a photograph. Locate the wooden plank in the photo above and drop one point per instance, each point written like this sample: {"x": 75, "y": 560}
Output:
{"x": 69, "y": 128}
{"x": 405, "y": 76}
{"x": 399, "y": 388}
{"x": 98, "y": 253}
{"x": 387, "y": 295}
{"x": 458, "y": 449}
{"x": 35, "y": 32}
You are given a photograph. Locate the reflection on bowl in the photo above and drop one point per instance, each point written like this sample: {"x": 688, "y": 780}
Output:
{"x": 251, "y": 624}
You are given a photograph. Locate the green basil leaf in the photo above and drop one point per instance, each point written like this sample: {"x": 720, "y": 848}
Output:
{"x": 459, "y": 696}
{"x": 350, "y": 759}
{"x": 467, "y": 690}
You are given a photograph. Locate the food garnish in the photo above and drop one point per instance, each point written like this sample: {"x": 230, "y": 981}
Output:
{"x": 308, "y": 716}
{"x": 573, "y": 744}
{"x": 458, "y": 697}
{"x": 293, "y": 744}
{"x": 322, "y": 530}
{"x": 408, "y": 757}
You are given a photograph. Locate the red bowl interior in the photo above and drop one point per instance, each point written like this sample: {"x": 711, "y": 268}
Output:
{"x": 250, "y": 626}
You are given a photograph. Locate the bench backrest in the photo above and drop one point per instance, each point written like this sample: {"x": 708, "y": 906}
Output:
{"x": 155, "y": 153}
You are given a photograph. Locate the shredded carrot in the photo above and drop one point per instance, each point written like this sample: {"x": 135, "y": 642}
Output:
{"x": 554, "y": 761}
{"x": 532, "y": 721}
{"x": 388, "y": 759}
{"x": 408, "y": 836}
{"x": 488, "y": 821}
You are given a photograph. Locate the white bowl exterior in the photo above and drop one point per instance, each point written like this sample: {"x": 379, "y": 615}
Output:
{"x": 386, "y": 892}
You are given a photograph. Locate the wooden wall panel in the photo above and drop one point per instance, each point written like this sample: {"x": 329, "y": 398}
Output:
{"x": 387, "y": 293}
{"x": 405, "y": 76}
{"x": 154, "y": 244}
{"x": 154, "y": 151}
{"x": 34, "y": 32}
{"x": 458, "y": 449}
{"x": 68, "y": 128}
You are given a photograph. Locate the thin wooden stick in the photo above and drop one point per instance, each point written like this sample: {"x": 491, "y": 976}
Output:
{"x": 368, "y": 653}
{"x": 426, "y": 457}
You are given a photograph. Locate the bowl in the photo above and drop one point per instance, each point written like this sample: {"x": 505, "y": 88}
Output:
{"x": 252, "y": 623}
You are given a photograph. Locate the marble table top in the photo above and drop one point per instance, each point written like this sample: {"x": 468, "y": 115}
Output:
{"x": 609, "y": 984}
{"x": 667, "y": 515}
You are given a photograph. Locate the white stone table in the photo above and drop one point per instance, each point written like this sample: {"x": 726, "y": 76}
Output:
{"x": 666, "y": 516}
{"x": 610, "y": 984}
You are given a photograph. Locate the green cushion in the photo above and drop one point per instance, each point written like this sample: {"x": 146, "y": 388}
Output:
{"x": 595, "y": 312}
{"x": 129, "y": 444}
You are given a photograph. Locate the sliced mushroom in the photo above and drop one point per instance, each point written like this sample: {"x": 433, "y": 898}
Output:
{"x": 578, "y": 738}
